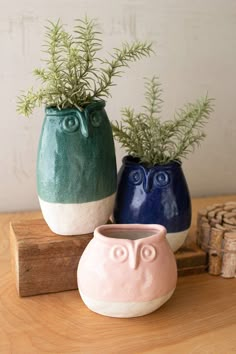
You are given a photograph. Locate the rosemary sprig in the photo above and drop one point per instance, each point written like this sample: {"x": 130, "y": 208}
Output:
{"x": 74, "y": 74}
{"x": 121, "y": 58}
{"x": 143, "y": 135}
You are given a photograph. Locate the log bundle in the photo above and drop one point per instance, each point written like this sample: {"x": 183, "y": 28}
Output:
{"x": 216, "y": 234}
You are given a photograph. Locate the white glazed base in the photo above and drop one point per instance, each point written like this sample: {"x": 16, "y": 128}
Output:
{"x": 176, "y": 239}
{"x": 125, "y": 309}
{"x": 77, "y": 219}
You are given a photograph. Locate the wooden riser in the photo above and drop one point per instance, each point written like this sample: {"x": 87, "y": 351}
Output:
{"x": 44, "y": 262}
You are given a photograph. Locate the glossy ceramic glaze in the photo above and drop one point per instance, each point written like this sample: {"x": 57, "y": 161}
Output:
{"x": 154, "y": 195}
{"x": 127, "y": 270}
{"x": 76, "y": 169}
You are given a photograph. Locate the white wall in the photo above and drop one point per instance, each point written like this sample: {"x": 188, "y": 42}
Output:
{"x": 195, "y": 43}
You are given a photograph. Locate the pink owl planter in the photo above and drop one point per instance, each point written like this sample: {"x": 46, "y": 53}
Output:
{"x": 127, "y": 270}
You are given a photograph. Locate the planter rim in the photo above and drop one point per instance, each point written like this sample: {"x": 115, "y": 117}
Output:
{"x": 130, "y": 160}
{"x": 158, "y": 231}
{"x": 54, "y": 111}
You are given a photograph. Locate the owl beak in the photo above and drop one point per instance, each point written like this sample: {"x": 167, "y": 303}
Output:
{"x": 84, "y": 130}
{"x": 133, "y": 261}
{"x": 83, "y": 119}
{"x": 147, "y": 186}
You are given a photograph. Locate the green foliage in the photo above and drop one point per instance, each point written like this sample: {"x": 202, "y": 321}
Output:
{"x": 143, "y": 135}
{"x": 74, "y": 74}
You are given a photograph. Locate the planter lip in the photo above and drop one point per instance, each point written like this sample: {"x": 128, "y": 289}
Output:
{"x": 130, "y": 160}
{"x": 54, "y": 111}
{"x": 159, "y": 231}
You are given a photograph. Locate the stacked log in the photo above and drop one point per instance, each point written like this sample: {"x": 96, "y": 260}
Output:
{"x": 216, "y": 234}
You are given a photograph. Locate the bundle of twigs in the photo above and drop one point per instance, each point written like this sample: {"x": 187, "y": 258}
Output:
{"x": 216, "y": 234}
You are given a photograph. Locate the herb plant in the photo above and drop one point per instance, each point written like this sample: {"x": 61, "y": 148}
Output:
{"x": 74, "y": 74}
{"x": 145, "y": 136}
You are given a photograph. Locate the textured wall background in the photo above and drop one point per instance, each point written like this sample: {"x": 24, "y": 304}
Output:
{"x": 195, "y": 43}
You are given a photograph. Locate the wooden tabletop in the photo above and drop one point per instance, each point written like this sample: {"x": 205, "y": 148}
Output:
{"x": 199, "y": 318}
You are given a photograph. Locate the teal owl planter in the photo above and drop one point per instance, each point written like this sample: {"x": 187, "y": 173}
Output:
{"x": 76, "y": 169}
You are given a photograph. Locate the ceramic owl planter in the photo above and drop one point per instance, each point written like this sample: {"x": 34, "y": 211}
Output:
{"x": 76, "y": 169}
{"x": 154, "y": 195}
{"x": 127, "y": 270}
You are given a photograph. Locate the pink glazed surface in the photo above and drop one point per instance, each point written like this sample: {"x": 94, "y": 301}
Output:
{"x": 118, "y": 269}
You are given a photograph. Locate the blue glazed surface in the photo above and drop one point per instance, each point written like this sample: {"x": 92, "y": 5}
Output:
{"x": 153, "y": 195}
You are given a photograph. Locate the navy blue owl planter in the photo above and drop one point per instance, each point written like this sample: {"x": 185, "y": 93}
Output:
{"x": 154, "y": 195}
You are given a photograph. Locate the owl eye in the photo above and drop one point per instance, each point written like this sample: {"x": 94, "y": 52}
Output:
{"x": 148, "y": 253}
{"x": 119, "y": 253}
{"x": 161, "y": 179}
{"x": 136, "y": 176}
{"x": 70, "y": 124}
{"x": 96, "y": 119}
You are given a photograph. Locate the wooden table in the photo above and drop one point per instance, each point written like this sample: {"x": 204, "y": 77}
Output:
{"x": 199, "y": 318}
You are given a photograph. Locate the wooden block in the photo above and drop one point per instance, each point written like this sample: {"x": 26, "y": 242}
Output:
{"x": 44, "y": 262}
{"x": 191, "y": 260}
{"x": 191, "y": 271}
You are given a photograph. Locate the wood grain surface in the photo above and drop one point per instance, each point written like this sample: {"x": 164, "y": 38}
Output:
{"x": 199, "y": 318}
{"x": 42, "y": 261}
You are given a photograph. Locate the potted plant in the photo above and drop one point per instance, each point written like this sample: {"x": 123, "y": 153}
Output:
{"x": 76, "y": 166}
{"x": 151, "y": 185}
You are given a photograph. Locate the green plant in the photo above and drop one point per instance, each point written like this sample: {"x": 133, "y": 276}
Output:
{"x": 74, "y": 75}
{"x": 143, "y": 135}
